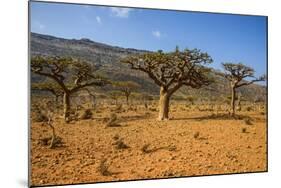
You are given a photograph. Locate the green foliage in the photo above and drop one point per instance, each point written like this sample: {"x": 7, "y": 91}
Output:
{"x": 191, "y": 99}
{"x": 173, "y": 68}
{"x": 115, "y": 95}
{"x": 50, "y": 86}
{"x": 237, "y": 72}
{"x": 69, "y": 74}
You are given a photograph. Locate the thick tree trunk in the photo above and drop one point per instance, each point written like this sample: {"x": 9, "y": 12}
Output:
{"x": 233, "y": 95}
{"x": 239, "y": 103}
{"x": 66, "y": 106}
{"x": 164, "y": 105}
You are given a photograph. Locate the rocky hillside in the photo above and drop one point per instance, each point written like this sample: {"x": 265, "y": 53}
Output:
{"x": 107, "y": 58}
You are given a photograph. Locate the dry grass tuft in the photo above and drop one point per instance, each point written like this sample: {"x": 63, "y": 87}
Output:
{"x": 87, "y": 114}
{"x": 121, "y": 145}
{"x": 248, "y": 121}
{"x": 112, "y": 122}
{"x": 57, "y": 142}
{"x": 103, "y": 168}
{"x": 244, "y": 130}
{"x": 196, "y": 135}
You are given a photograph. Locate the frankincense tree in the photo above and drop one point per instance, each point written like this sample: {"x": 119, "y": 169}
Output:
{"x": 69, "y": 74}
{"x": 172, "y": 70}
{"x": 236, "y": 74}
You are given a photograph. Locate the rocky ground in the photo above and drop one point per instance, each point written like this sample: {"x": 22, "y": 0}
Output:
{"x": 192, "y": 143}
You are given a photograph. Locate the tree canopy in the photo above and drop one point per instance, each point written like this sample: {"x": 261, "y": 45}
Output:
{"x": 70, "y": 74}
{"x": 236, "y": 73}
{"x": 173, "y": 69}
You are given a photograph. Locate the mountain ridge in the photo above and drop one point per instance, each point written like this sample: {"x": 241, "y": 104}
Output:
{"x": 107, "y": 58}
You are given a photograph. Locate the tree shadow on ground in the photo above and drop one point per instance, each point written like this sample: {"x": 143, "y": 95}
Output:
{"x": 133, "y": 118}
{"x": 215, "y": 117}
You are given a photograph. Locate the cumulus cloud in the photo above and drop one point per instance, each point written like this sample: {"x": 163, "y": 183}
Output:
{"x": 98, "y": 19}
{"x": 42, "y": 26}
{"x": 121, "y": 12}
{"x": 39, "y": 25}
{"x": 156, "y": 34}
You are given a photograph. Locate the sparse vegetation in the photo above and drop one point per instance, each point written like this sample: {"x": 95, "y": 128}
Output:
{"x": 200, "y": 127}
{"x": 127, "y": 88}
{"x": 196, "y": 135}
{"x": 244, "y": 130}
{"x": 171, "y": 71}
{"x": 236, "y": 74}
{"x": 120, "y": 144}
{"x": 56, "y": 69}
{"x": 103, "y": 168}
{"x": 87, "y": 114}
{"x": 112, "y": 122}
{"x": 248, "y": 121}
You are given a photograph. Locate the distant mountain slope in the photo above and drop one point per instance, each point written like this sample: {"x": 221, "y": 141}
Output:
{"x": 107, "y": 58}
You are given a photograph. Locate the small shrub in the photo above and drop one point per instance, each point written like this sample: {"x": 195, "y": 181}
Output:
{"x": 119, "y": 108}
{"x": 196, "y": 135}
{"x": 248, "y": 121}
{"x": 145, "y": 106}
{"x": 153, "y": 109}
{"x": 87, "y": 114}
{"x": 47, "y": 141}
{"x": 146, "y": 113}
{"x": 39, "y": 116}
{"x": 116, "y": 137}
{"x": 121, "y": 145}
{"x": 98, "y": 111}
{"x": 112, "y": 122}
{"x": 172, "y": 148}
{"x": 244, "y": 130}
{"x": 145, "y": 149}
{"x": 103, "y": 168}
{"x": 249, "y": 108}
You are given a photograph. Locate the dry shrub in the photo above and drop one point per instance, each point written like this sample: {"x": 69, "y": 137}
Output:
{"x": 249, "y": 108}
{"x": 103, "y": 168}
{"x": 87, "y": 114}
{"x": 47, "y": 141}
{"x": 145, "y": 149}
{"x": 248, "y": 121}
{"x": 98, "y": 111}
{"x": 172, "y": 148}
{"x": 116, "y": 137}
{"x": 39, "y": 115}
{"x": 120, "y": 144}
{"x": 113, "y": 122}
{"x": 244, "y": 130}
{"x": 132, "y": 108}
{"x": 146, "y": 106}
{"x": 153, "y": 109}
{"x": 147, "y": 114}
{"x": 196, "y": 135}
{"x": 118, "y": 108}
{"x": 168, "y": 173}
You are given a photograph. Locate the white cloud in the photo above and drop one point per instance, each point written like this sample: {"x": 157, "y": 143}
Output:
{"x": 39, "y": 25}
{"x": 121, "y": 12}
{"x": 98, "y": 19}
{"x": 156, "y": 34}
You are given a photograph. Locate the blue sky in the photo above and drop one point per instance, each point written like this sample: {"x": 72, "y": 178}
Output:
{"x": 227, "y": 38}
